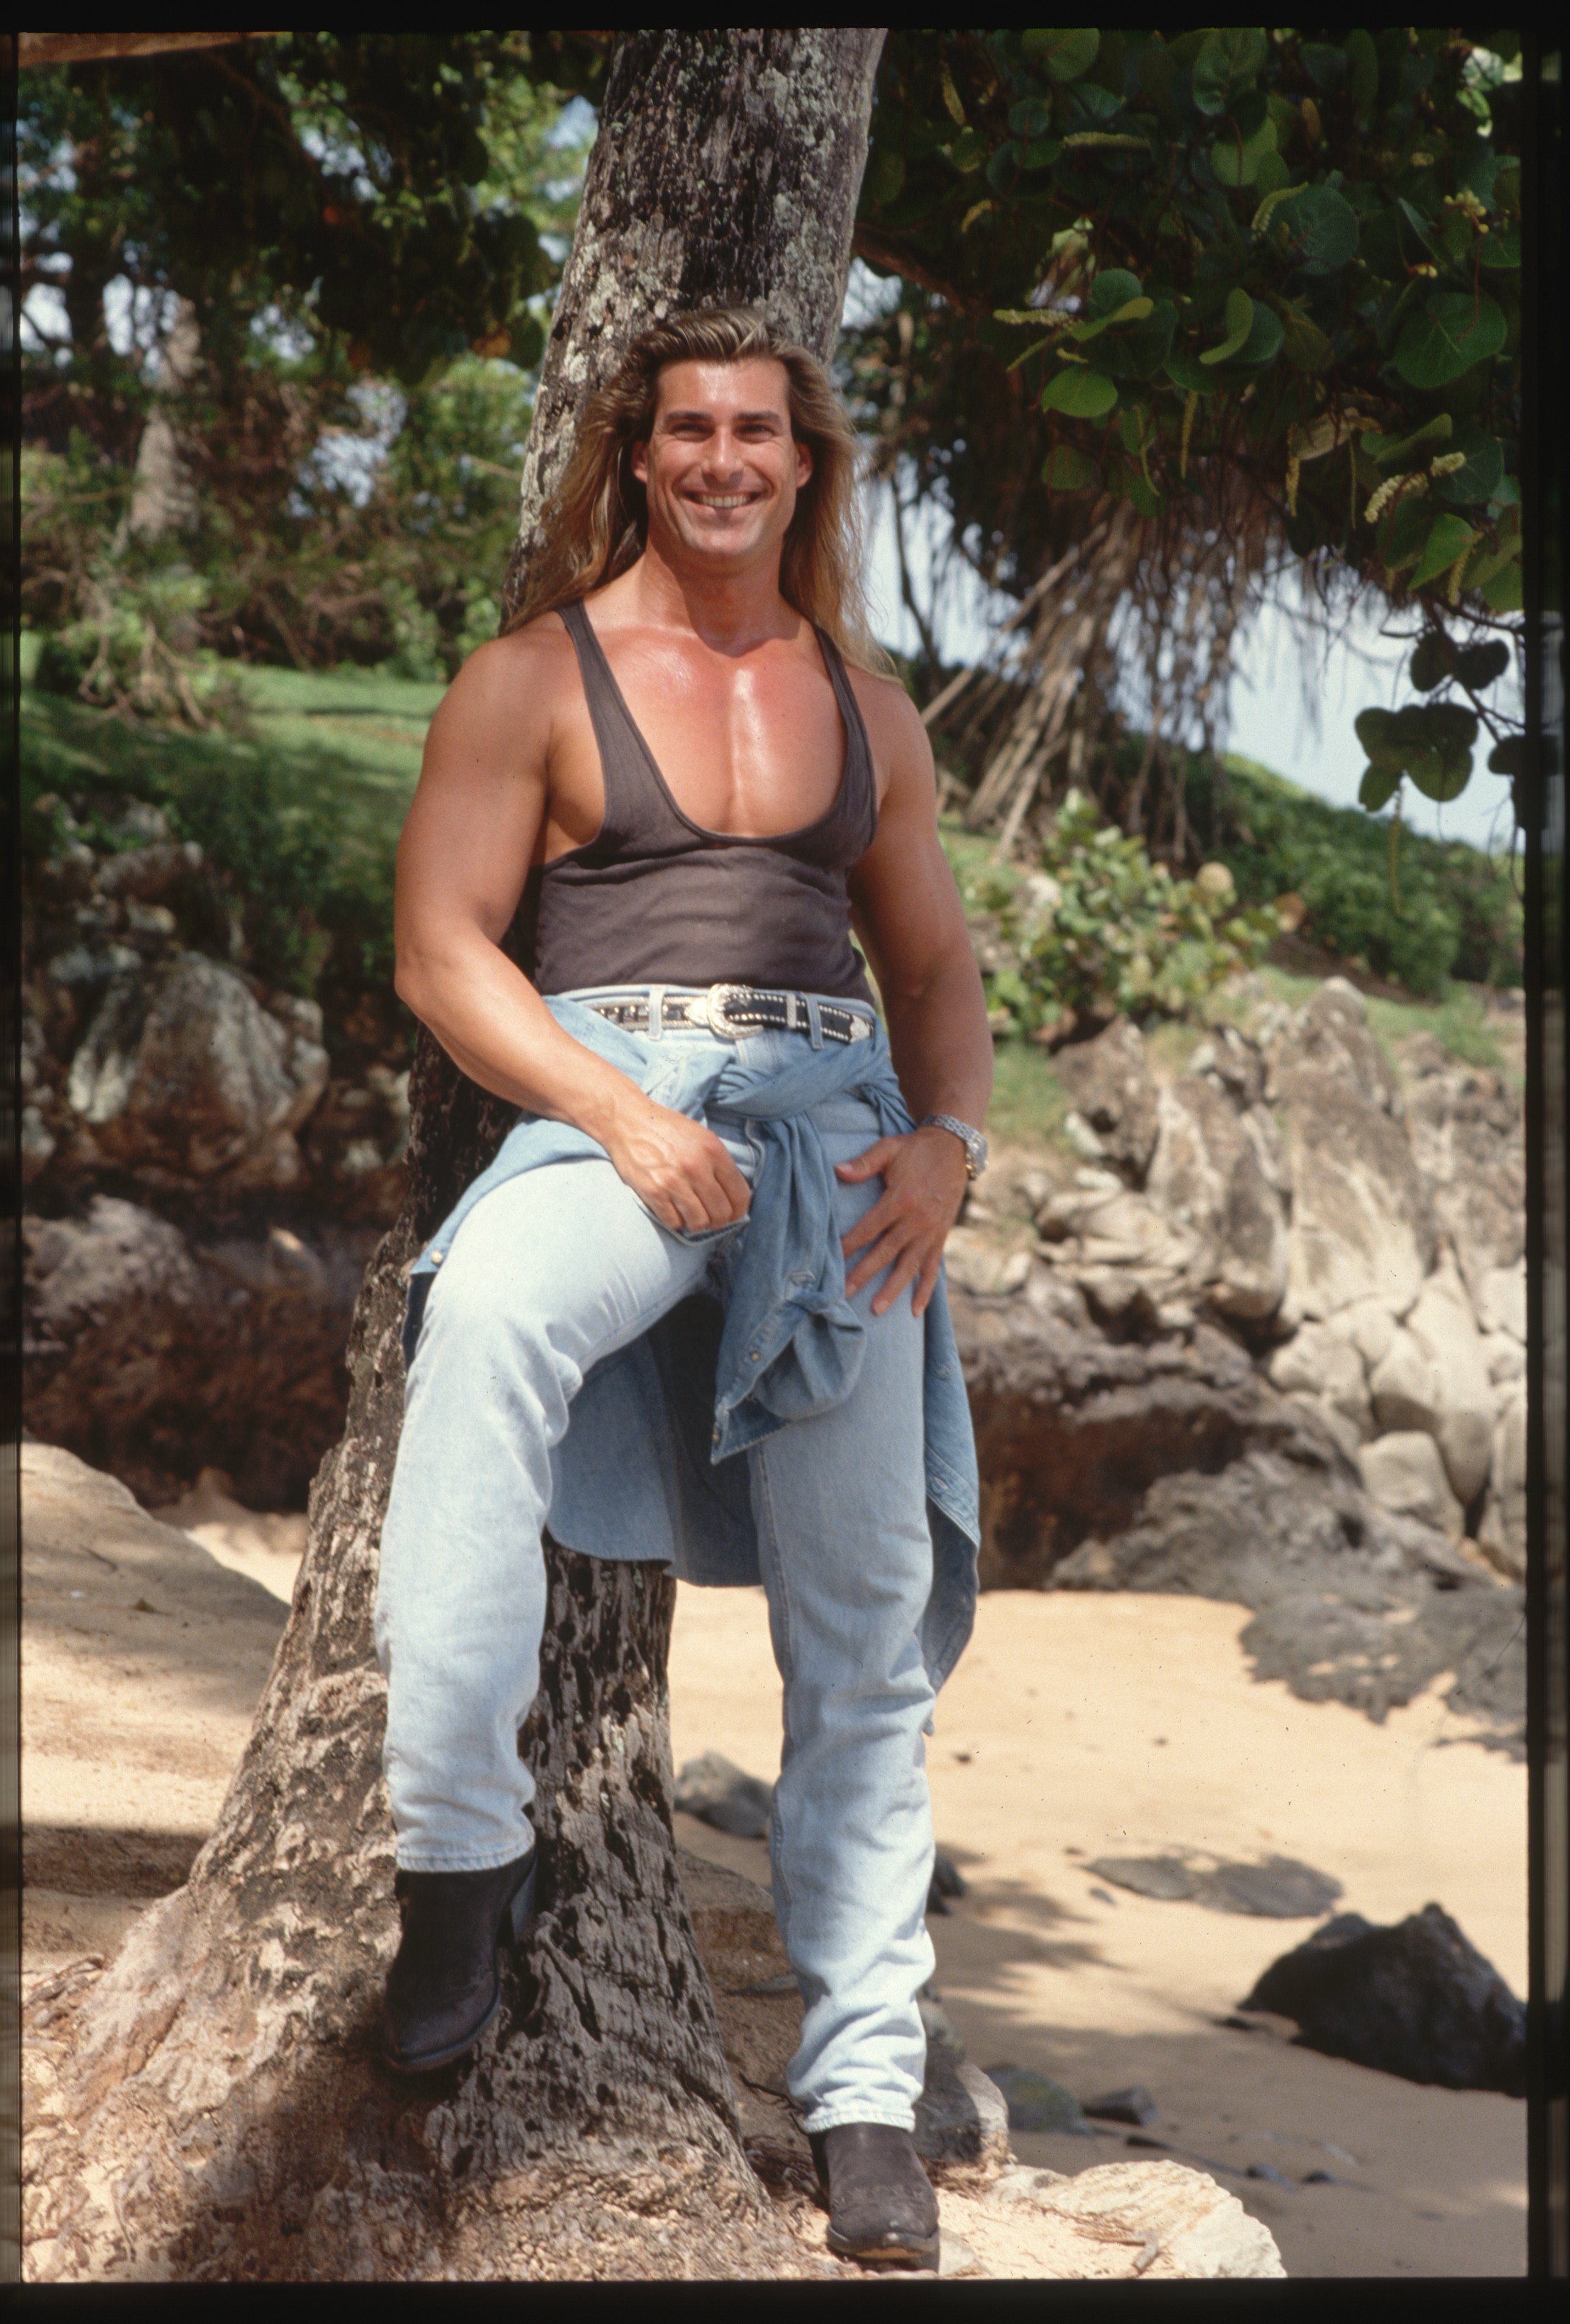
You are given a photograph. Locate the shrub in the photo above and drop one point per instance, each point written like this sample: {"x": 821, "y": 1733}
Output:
{"x": 1100, "y": 929}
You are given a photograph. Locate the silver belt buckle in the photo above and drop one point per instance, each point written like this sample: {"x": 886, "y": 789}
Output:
{"x": 716, "y": 1012}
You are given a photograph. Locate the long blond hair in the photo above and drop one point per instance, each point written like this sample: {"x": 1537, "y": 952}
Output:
{"x": 595, "y": 523}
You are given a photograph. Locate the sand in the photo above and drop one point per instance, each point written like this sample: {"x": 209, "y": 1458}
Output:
{"x": 1082, "y": 1726}
{"x": 1074, "y": 1727}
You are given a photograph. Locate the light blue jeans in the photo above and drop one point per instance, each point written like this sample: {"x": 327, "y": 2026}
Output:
{"x": 551, "y": 1272}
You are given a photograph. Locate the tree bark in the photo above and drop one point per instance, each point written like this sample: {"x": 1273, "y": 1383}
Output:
{"x": 212, "y": 2106}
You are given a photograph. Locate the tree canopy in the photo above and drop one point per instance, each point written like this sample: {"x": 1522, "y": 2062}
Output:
{"x": 1237, "y": 278}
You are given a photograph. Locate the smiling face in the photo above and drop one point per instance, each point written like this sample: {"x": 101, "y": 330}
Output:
{"x": 720, "y": 467}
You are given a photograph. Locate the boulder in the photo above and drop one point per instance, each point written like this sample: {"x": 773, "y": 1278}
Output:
{"x": 1330, "y": 1041}
{"x": 1114, "y": 1093}
{"x": 154, "y": 1356}
{"x": 1145, "y": 2221}
{"x": 1235, "y": 1064}
{"x": 1363, "y": 1226}
{"x": 1502, "y": 1300}
{"x": 1417, "y": 2000}
{"x": 1434, "y": 1376}
{"x": 1444, "y": 1330}
{"x": 184, "y": 1073}
{"x": 1208, "y": 1173}
{"x": 1467, "y": 1137}
{"x": 1319, "y": 1362}
{"x": 1503, "y": 1532}
{"x": 1404, "y": 1473}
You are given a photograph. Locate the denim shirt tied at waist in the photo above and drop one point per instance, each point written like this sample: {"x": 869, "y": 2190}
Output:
{"x": 645, "y": 1469}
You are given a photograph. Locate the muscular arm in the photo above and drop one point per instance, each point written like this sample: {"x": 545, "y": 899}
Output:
{"x": 463, "y": 859}
{"x": 908, "y": 918}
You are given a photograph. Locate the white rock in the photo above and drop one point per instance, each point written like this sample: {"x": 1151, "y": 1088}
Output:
{"x": 1506, "y": 1359}
{"x": 1504, "y": 1530}
{"x": 1319, "y": 1364}
{"x": 1403, "y": 1473}
{"x": 1444, "y": 1328}
{"x": 1171, "y": 2222}
{"x": 1502, "y": 1301}
{"x": 1369, "y": 1325}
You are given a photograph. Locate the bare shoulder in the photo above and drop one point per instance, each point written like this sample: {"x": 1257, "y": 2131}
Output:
{"x": 521, "y": 679}
{"x": 900, "y": 747}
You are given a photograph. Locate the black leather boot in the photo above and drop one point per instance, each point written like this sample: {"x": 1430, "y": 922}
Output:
{"x": 445, "y": 1985}
{"x": 881, "y": 2204}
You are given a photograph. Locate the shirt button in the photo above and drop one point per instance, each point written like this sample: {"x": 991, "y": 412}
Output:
{"x": 755, "y": 1358}
{"x": 436, "y": 1259}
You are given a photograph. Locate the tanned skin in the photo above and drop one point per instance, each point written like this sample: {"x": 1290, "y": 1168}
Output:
{"x": 727, "y": 682}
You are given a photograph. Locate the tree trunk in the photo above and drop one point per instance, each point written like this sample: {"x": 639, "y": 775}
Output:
{"x": 212, "y": 2106}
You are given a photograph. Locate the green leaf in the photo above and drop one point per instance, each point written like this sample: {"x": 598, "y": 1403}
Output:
{"x": 1322, "y": 229}
{"x": 1362, "y": 64}
{"x": 1063, "y": 55}
{"x": 1453, "y": 332}
{"x": 1135, "y": 311}
{"x": 1234, "y": 161}
{"x": 1228, "y": 63}
{"x": 1386, "y": 449}
{"x": 1272, "y": 175}
{"x": 1503, "y": 594}
{"x": 1377, "y": 731}
{"x": 1431, "y": 742}
{"x": 1239, "y": 323}
{"x": 1476, "y": 483}
{"x": 1430, "y": 664}
{"x": 884, "y": 177}
{"x": 1377, "y": 787}
{"x": 1112, "y": 289}
{"x": 1306, "y": 345}
{"x": 1509, "y": 756}
{"x": 1403, "y": 533}
{"x": 1449, "y": 537}
{"x": 1065, "y": 469}
{"x": 1477, "y": 667}
{"x": 1079, "y": 395}
{"x": 1502, "y": 250}
{"x": 1265, "y": 333}
{"x": 1184, "y": 372}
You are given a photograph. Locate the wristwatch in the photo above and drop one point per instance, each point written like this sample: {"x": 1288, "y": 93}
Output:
{"x": 972, "y": 1140}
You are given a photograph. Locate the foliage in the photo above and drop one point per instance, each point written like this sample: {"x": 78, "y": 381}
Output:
{"x": 1166, "y": 265}
{"x": 335, "y": 326}
{"x": 1455, "y": 912}
{"x": 298, "y": 816}
{"x": 1099, "y": 929}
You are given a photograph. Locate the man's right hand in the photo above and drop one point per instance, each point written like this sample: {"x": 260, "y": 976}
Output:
{"x": 676, "y": 1166}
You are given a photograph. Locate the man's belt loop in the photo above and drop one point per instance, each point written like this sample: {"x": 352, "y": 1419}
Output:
{"x": 656, "y": 997}
{"x": 815, "y": 1019}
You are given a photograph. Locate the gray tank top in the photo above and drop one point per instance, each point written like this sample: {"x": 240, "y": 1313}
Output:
{"x": 654, "y": 899}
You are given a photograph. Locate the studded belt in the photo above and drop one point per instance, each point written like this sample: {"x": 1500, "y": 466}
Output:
{"x": 730, "y": 1011}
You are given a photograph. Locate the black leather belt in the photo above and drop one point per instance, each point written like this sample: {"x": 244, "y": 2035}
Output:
{"x": 729, "y": 1012}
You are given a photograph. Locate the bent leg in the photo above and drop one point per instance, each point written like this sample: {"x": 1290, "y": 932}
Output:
{"x": 549, "y": 1273}
{"x": 840, "y": 1503}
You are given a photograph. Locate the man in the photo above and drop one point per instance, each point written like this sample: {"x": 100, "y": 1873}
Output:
{"x": 695, "y": 1309}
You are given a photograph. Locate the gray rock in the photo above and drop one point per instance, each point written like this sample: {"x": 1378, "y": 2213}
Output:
{"x": 1502, "y": 1300}
{"x": 962, "y": 2131}
{"x": 721, "y": 1795}
{"x": 1404, "y": 1473}
{"x": 1502, "y": 1531}
{"x": 1319, "y": 1362}
{"x": 1417, "y": 2000}
{"x": 1207, "y": 1173}
{"x": 1168, "y": 1880}
{"x": 1036, "y": 2104}
{"x": 1134, "y": 2106}
{"x": 1467, "y": 1137}
{"x": 1113, "y": 1092}
{"x": 153, "y": 1358}
{"x": 1445, "y": 1329}
{"x": 1330, "y": 1040}
{"x": 183, "y": 1072}
{"x": 1235, "y": 1063}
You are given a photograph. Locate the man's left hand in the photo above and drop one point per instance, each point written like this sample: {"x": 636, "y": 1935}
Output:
{"x": 924, "y": 1181}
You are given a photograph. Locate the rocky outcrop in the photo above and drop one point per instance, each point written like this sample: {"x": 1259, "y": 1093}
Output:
{"x": 1257, "y": 1365}
{"x": 153, "y": 1353}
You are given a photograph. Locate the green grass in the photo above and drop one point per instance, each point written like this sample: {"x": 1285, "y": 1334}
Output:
{"x": 301, "y": 807}
{"x": 1029, "y": 1102}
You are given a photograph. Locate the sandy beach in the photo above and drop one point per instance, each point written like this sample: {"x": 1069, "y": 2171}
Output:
{"x": 1075, "y": 1727}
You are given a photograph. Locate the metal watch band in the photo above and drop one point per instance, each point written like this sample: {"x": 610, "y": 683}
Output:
{"x": 972, "y": 1140}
